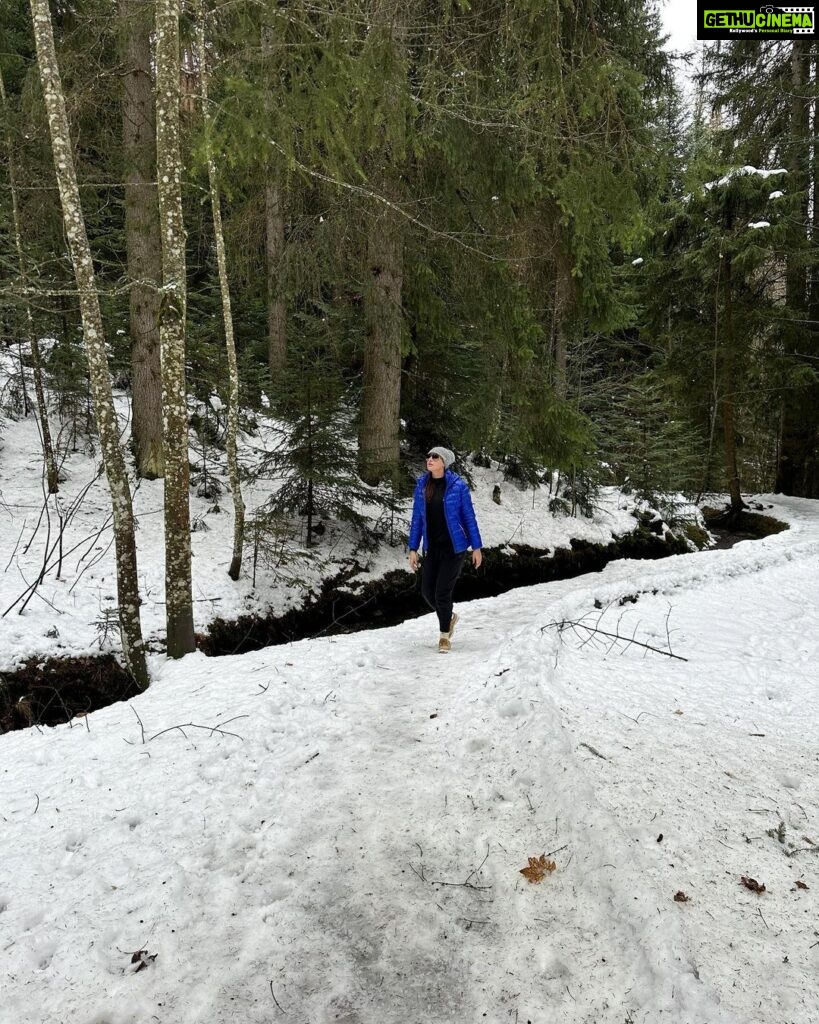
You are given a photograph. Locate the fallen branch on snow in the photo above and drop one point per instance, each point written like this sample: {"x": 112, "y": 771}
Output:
{"x": 593, "y": 631}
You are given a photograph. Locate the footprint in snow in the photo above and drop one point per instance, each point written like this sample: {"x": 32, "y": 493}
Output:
{"x": 32, "y": 920}
{"x": 512, "y": 709}
{"x": 73, "y": 841}
{"x": 43, "y": 956}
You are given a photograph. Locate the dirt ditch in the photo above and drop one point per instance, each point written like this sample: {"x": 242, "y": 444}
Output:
{"x": 58, "y": 690}
{"x": 730, "y": 528}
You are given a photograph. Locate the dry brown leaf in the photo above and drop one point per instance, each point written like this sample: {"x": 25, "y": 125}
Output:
{"x": 678, "y": 712}
{"x": 538, "y": 866}
{"x": 800, "y": 885}
{"x": 680, "y": 897}
{"x": 752, "y": 884}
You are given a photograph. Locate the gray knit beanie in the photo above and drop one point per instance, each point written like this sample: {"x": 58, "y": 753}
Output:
{"x": 447, "y": 457}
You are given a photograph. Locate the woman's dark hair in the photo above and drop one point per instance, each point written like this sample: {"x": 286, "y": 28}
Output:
{"x": 429, "y": 487}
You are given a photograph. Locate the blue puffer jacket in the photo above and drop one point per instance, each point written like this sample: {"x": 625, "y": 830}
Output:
{"x": 458, "y": 512}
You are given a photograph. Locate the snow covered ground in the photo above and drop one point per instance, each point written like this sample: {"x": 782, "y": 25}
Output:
{"x": 333, "y": 831}
{"x": 68, "y": 612}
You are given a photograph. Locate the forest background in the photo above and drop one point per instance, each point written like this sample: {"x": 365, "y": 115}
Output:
{"x": 388, "y": 224}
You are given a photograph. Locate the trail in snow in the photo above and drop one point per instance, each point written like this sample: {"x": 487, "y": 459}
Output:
{"x": 352, "y": 858}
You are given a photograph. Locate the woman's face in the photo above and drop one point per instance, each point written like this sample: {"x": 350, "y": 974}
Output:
{"x": 435, "y": 465}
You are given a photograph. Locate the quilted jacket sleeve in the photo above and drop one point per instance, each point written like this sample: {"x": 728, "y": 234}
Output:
{"x": 417, "y": 522}
{"x": 469, "y": 520}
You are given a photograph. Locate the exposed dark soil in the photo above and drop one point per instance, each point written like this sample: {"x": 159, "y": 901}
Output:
{"x": 730, "y": 528}
{"x": 60, "y": 689}
{"x": 344, "y": 607}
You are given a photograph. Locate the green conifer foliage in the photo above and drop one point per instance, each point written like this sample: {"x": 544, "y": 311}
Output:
{"x": 716, "y": 279}
{"x": 314, "y": 459}
{"x": 766, "y": 97}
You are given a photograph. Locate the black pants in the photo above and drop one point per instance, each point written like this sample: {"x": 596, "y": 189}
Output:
{"x": 438, "y": 575}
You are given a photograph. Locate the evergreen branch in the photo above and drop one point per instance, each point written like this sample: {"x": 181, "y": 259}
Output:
{"x": 396, "y": 208}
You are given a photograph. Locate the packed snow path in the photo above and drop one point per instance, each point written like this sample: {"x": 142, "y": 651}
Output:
{"x": 350, "y": 850}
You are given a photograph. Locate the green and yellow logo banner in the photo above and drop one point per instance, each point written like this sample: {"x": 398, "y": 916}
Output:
{"x": 755, "y": 21}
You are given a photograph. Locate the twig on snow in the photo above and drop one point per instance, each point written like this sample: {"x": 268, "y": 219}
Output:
{"x": 461, "y": 885}
{"x": 466, "y": 884}
{"x": 141, "y": 726}
{"x": 639, "y": 716}
{"x": 16, "y": 546}
{"x": 275, "y": 1000}
{"x": 478, "y": 868}
{"x": 593, "y": 751}
{"x": 208, "y": 728}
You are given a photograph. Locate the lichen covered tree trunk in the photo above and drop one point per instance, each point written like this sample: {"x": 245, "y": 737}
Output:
{"x": 224, "y": 286}
{"x": 178, "y": 586}
{"x": 142, "y": 239}
{"x": 378, "y": 432}
{"x": 113, "y": 460}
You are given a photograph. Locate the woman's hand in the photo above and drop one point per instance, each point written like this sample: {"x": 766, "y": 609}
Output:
{"x": 413, "y": 560}
{"x": 477, "y": 558}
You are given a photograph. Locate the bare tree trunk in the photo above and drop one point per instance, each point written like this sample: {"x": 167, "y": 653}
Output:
{"x": 563, "y": 299}
{"x": 559, "y": 336}
{"x": 178, "y": 586}
{"x": 378, "y": 434}
{"x": 812, "y": 467}
{"x": 233, "y": 371}
{"x": 276, "y": 311}
{"x": 814, "y": 273}
{"x": 274, "y": 242}
{"x": 798, "y": 419}
{"x": 127, "y": 587}
{"x": 37, "y": 366}
{"x": 380, "y": 409}
{"x": 728, "y": 408}
{"x": 142, "y": 238}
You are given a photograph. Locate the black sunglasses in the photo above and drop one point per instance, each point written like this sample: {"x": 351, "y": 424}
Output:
{"x": 433, "y": 455}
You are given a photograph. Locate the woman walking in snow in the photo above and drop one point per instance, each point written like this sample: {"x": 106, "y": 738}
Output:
{"x": 443, "y": 521}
